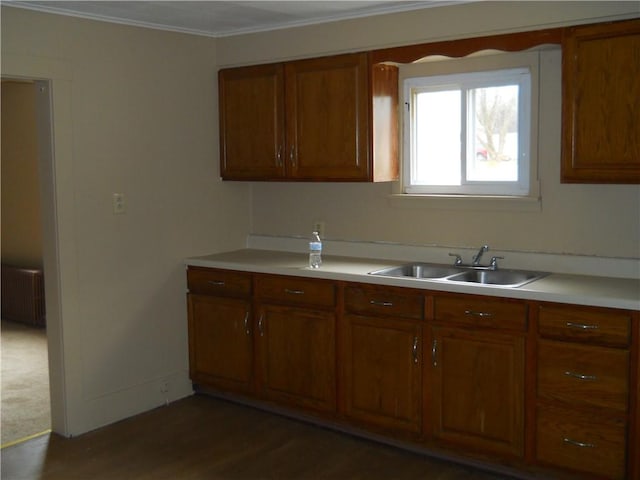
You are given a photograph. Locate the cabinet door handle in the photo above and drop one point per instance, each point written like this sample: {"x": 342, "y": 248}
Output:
{"x": 414, "y": 349}
{"x": 582, "y": 326}
{"x": 216, "y": 283}
{"x": 434, "y": 352}
{"x": 279, "y": 156}
{"x": 246, "y": 323}
{"x": 478, "y": 314}
{"x": 261, "y": 325}
{"x": 580, "y": 376}
{"x": 381, "y": 304}
{"x": 293, "y": 292}
{"x": 292, "y": 155}
{"x": 578, "y": 444}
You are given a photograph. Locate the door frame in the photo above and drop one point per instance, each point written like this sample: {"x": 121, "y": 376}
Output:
{"x": 52, "y": 79}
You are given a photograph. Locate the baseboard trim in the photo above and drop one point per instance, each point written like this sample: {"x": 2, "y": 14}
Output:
{"x": 25, "y": 439}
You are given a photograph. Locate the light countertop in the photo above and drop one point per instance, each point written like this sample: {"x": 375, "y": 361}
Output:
{"x": 574, "y": 289}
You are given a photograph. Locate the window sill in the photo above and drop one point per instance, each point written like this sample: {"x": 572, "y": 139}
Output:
{"x": 467, "y": 202}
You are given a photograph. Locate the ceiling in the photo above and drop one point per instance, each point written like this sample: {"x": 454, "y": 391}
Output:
{"x": 222, "y": 18}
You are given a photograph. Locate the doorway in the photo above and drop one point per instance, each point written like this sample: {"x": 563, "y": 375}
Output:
{"x": 26, "y": 403}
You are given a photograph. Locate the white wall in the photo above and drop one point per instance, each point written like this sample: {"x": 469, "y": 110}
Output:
{"x": 601, "y": 220}
{"x": 134, "y": 111}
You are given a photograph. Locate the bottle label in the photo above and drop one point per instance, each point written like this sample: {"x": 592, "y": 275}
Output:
{"x": 315, "y": 246}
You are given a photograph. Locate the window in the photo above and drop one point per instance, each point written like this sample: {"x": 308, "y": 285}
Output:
{"x": 468, "y": 133}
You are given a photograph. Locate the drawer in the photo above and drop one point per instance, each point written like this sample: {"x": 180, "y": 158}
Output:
{"x": 481, "y": 312}
{"x": 296, "y": 290}
{"x": 568, "y": 439}
{"x": 384, "y": 301}
{"x": 593, "y": 325}
{"x": 209, "y": 281}
{"x": 583, "y": 375}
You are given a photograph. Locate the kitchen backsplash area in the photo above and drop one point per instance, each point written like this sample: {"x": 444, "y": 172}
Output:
{"x": 541, "y": 261}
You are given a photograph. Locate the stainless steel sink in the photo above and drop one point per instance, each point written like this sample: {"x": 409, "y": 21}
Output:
{"x": 417, "y": 270}
{"x": 482, "y": 276}
{"x": 503, "y": 278}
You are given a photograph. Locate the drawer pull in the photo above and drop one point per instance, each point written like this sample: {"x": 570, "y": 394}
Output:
{"x": 414, "y": 349}
{"x": 478, "y": 314}
{"x": 294, "y": 292}
{"x": 216, "y": 283}
{"x": 580, "y": 376}
{"x": 381, "y": 304}
{"x": 575, "y": 443}
{"x": 582, "y": 326}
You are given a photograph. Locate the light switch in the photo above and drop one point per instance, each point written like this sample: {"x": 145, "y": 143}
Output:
{"x": 118, "y": 203}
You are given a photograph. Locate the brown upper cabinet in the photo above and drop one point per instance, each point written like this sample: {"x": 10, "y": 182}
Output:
{"x": 601, "y": 103}
{"x": 323, "y": 119}
{"x": 252, "y": 122}
{"x": 336, "y": 118}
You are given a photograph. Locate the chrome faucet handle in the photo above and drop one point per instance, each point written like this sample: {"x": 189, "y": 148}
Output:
{"x": 458, "y": 258}
{"x": 494, "y": 262}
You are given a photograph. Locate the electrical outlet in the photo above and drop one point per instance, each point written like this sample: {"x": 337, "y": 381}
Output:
{"x": 318, "y": 226}
{"x": 164, "y": 387}
{"x": 118, "y": 203}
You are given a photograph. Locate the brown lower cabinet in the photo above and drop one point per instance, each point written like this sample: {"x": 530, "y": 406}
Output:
{"x": 221, "y": 347}
{"x": 544, "y": 388}
{"x": 585, "y": 406}
{"x": 296, "y": 356}
{"x": 383, "y": 372}
{"x": 477, "y": 373}
{"x": 381, "y": 359}
{"x": 295, "y": 341}
{"x": 584, "y": 442}
{"x": 220, "y": 329}
{"x": 478, "y": 390}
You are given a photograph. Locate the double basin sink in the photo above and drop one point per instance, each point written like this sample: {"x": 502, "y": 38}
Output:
{"x": 462, "y": 274}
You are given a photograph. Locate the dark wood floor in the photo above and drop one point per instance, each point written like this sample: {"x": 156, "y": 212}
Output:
{"x": 201, "y": 437}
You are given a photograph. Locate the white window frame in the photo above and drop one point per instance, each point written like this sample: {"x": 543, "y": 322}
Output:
{"x": 471, "y": 73}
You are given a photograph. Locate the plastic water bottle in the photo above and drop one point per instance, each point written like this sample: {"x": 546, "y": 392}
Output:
{"x": 315, "y": 251}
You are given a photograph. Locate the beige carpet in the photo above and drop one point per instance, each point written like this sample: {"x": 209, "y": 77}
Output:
{"x": 25, "y": 408}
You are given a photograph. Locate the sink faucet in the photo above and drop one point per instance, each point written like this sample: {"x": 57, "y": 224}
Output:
{"x": 475, "y": 260}
{"x": 478, "y": 256}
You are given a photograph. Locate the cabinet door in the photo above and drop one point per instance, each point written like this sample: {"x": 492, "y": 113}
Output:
{"x": 296, "y": 354}
{"x": 220, "y": 342}
{"x": 251, "y": 104}
{"x": 601, "y": 103}
{"x": 478, "y": 389}
{"x": 383, "y": 372}
{"x": 327, "y": 118}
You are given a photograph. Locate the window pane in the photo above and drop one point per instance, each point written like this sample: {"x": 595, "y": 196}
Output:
{"x": 437, "y": 138}
{"x": 493, "y": 134}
